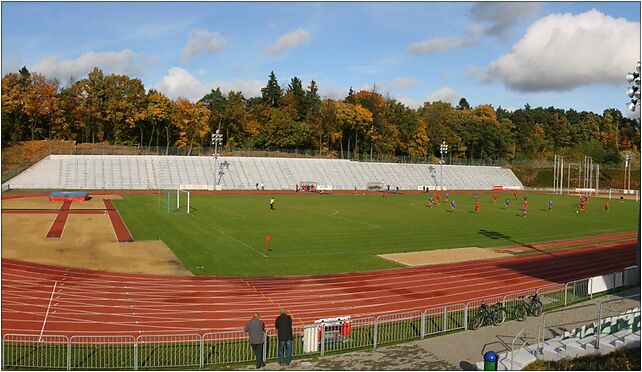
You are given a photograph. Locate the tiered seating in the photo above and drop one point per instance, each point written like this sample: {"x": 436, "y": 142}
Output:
{"x": 88, "y": 172}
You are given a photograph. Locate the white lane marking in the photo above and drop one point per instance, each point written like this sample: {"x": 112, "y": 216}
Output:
{"x": 53, "y": 291}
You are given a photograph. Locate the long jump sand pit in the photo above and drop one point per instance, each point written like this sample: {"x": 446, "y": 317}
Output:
{"x": 88, "y": 241}
{"x": 441, "y": 256}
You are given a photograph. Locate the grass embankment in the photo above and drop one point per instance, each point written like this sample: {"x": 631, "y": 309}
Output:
{"x": 316, "y": 234}
{"x": 620, "y": 360}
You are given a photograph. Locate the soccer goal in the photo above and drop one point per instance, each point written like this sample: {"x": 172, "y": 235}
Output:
{"x": 624, "y": 194}
{"x": 175, "y": 201}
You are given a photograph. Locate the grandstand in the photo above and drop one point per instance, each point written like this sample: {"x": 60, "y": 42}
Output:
{"x": 141, "y": 172}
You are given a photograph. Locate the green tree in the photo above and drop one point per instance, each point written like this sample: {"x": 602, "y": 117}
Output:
{"x": 272, "y": 93}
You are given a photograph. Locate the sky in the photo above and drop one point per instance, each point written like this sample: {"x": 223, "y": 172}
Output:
{"x": 561, "y": 54}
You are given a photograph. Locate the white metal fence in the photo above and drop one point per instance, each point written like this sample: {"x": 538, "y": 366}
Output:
{"x": 231, "y": 347}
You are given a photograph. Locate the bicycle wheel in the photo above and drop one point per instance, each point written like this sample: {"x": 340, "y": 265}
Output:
{"x": 520, "y": 312}
{"x": 499, "y": 317}
{"x": 536, "y": 308}
{"x": 478, "y": 321}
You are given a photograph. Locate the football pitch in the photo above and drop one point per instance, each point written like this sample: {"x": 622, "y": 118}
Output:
{"x": 225, "y": 235}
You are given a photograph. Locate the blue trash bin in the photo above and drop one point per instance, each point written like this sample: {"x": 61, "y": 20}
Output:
{"x": 490, "y": 361}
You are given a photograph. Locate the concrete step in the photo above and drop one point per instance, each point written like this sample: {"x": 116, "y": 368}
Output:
{"x": 573, "y": 349}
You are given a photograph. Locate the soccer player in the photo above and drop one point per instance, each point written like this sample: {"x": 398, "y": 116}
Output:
{"x": 430, "y": 203}
{"x": 438, "y": 199}
{"x": 515, "y": 194}
{"x": 582, "y": 207}
{"x": 495, "y": 198}
{"x": 272, "y": 203}
{"x": 506, "y": 203}
{"x": 550, "y": 205}
{"x": 525, "y": 208}
{"x": 453, "y": 205}
{"x": 606, "y": 206}
{"x": 446, "y": 199}
{"x": 476, "y": 206}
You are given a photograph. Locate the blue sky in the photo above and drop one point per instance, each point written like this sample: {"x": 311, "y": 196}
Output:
{"x": 560, "y": 54}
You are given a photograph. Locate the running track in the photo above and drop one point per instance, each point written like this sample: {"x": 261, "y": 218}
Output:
{"x": 39, "y": 299}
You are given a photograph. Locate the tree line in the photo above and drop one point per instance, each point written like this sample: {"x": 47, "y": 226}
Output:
{"x": 118, "y": 109}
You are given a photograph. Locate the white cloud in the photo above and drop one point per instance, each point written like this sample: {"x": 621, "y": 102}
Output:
{"x": 441, "y": 44}
{"x": 180, "y": 83}
{"x": 111, "y": 62}
{"x": 203, "y": 41}
{"x": 332, "y": 91}
{"x": 410, "y": 102}
{"x": 444, "y": 94}
{"x": 561, "y": 52}
{"x": 498, "y": 18}
{"x": 289, "y": 41}
{"x": 402, "y": 83}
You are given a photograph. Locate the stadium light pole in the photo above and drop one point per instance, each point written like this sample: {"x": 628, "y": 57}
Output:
{"x": 217, "y": 139}
{"x": 634, "y": 93}
{"x": 443, "y": 149}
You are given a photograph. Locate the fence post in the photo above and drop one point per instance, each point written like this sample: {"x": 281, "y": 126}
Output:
{"x": 599, "y": 326}
{"x": 465, "y": 317}
{"x": 322, "y": 339}
{"x": 69, "y": 354}
{"x": 265, "y": 346}
{"x": 136, "y": 354}
{"x": 565, "y": 293}
{"x": 423, "y": 324}
{"x": 376, "y": 327}
{"x": 590, "y": 288}
{"x": 202, "y": 361}
{"x": 445, "y": 318}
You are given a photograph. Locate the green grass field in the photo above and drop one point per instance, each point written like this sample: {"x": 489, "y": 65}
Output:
{"x": 315, "y": 234}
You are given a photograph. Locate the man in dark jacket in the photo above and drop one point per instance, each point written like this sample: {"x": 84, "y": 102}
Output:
{"x": 256, "y": 330}
{"x": 283, "y": 324}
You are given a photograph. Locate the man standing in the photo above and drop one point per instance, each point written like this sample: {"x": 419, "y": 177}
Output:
{"x": 256, "y": 331}
{"x": 272, "y": 203}
{"x": 283, "y": 325}
{"x": 477, "y": 206}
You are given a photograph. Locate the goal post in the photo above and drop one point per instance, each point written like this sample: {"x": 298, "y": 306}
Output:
{"x": 186, "y": 199}
{"x": 621, "y": 193}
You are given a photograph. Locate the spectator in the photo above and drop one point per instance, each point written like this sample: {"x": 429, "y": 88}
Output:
{"x": 283, "y": 324}
{"x": 256, "y": 331}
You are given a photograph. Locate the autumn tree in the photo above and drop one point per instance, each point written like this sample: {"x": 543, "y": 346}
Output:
{"x": 191, "y": 120}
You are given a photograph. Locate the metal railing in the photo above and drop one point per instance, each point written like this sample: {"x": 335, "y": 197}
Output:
{"x": 231, "y": 347}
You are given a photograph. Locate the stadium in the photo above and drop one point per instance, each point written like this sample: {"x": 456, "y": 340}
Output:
{"x": 180, "y": 259}
{"x": 163, "y": 208}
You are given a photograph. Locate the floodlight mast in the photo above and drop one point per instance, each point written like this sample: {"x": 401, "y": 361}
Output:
{"x": 443, "y": 149}
{"x": 633, "y": 105}
{"x": 217, "y": 139}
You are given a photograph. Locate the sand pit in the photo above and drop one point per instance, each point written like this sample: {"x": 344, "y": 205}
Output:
{"x": 441, "y": 256}
{"x": 88, "y": 241}
{"x": 96, "y": 202}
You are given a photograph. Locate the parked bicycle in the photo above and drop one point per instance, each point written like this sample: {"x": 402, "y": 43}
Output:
{"x": 495, "y": 315}
{"x": 532, "y": 306}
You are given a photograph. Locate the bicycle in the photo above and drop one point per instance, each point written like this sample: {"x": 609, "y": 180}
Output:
{"x": 531, "y": 307}
{"x": 495, "y": 315}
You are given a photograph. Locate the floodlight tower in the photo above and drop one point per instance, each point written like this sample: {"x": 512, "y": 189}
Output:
{"x": 217, "y": 139}
{"x": 634, "y": 93}
{"x": 443, "y": 149}
{"x": 634, "y": 90}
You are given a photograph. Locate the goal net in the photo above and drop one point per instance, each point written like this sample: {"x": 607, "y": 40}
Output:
{"x": 175, "y": 201}
{"x": 624, "y": 194}
{"x": 307, "y": 186}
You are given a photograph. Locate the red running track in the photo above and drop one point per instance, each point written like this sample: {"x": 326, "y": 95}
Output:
{"x": 40, "y": 299}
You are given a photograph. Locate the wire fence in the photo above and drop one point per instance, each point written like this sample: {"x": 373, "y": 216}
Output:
{"x": 20, "y": 351}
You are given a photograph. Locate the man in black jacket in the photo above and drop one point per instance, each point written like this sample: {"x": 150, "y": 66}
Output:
{"x": 283, "y": 324}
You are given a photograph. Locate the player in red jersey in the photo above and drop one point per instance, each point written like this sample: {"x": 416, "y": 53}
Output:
{"x": 495, "y": 198}
{"x": 438, "y": 199}
{"x": 525, "y": 207}
{"x": 476, "y": 206}
{"x": 606, "y": 206}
